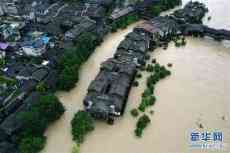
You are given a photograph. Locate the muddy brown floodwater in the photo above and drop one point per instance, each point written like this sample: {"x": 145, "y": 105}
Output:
{"x": 59, "y": 139}
{"x": 197, "y": 92}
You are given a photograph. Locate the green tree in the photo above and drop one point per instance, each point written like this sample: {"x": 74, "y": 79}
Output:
{"x": 31, "y": 144}
{"x": 134, "y": 112}
{"x": 155, "y": 10}
{"x": 41, "y": 87}
{"x": 73, "y": 58}
{"x": 46, "y": 110}
{"x": 82, "y": 124}
{"x": 142, "y": 123}
{"x": 33, "y": 122}
{"x": 76, "y": 148}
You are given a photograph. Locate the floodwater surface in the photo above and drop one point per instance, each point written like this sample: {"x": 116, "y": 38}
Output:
{"x": 59, "y": 139}
{"x": 197, "y": 92}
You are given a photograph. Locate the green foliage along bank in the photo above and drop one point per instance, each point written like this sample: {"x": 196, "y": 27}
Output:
{"x": 124, "y": 21}
{"x": 76, "y": 148}
{"x": 82, "y": 124}
{"x": 162, "y": 5}
{"x": 73, "y": 58}
{"x": 169, "y": 4}
{"x": 157, "y": 73}
{"x": 142, "y": 123}
{"x": 32, "y": 144}
{"x": 47, "y": 110}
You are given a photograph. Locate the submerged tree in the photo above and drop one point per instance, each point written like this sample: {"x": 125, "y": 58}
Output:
{"x": 142, "y": 123}
{"x": 76, "y": 148}
{"x": 82, "y": 124}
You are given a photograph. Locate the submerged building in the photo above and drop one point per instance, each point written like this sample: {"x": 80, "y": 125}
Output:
{"x": 108, "y": 93}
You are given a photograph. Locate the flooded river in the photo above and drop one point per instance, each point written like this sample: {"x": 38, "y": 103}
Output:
{"x": 197, "y": 92}
{"x": 59, "y": 134}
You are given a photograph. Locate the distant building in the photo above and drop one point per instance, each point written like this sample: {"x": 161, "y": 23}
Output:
{"x": 108, "y": 93}
{"x": 118, "y": 13}
{"x": 159, "y": 27}
{"x": 8, "y": 7}
{"x": 10, "y": 31}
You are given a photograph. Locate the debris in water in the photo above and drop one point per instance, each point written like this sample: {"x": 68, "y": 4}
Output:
{"x": 223, "y": 118}
{"x": 170, "y": 64}
{"x": 152, "y": 112}
{"x": 135, "y": 83}
{"x": 201, "y": 126}
{"x": 154, "y": 60}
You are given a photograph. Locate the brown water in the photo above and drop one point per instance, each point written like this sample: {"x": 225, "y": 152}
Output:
{"x": 59, "y": 134}
{"x": 196, "y": 93}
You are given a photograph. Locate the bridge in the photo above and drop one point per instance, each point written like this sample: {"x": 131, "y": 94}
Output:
{"x": 203, "y": 30}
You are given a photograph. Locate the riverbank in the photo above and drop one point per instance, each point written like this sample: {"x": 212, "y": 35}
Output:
{"x": 195, "y": 93}
{"x": 45, "y": 51}
{"x": 59, "y": 134}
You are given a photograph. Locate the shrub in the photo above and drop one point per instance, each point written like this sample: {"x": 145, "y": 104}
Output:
{"x": 180, "y": 41}
{"x": 169, "y": 4}
{"x": 76, "y": 148}
{"x": 32, "y": 144}
{"x": 149, "y": 68}
{"x": 139, "y": 75}
{"x": 123, "y": 22}
{"x": 152, "y": 80}
{"x": 151, "y": 112}
{"x": 154, "y": 61}
{"x": 147, "y": 56}
{"x": 142, "y": 68}
{"x": 164, "y": 5}
{"x": 146, "y": 102}
{"x": 142, "y": 123}
{"x": 135, "y": 83}
{"x": 165, "y": 47}
{"x": 82, "y": 124}
{"x": 183, "y": 41}
{"x": 151, "y": 88}
{"x": 2, "y": 62}
{"x": 147, "y": 92}
{"x": 50, "y": 107}
{"x": 157, "y": 67}
{"x": 177, "y": 44}
{"x": 155, "y": 10}
{"x": 41, "y": 87}
{"x": 134, "y": 112}
{"x": 34, "y": 122}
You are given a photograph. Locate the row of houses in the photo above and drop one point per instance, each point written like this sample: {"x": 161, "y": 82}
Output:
{"x": 107, "y": 94}
{"x": 133, "y": 7}
{"x": 27, "y": 77}
{"x": 160, "y": 27}
{"x": 33, "y": 40}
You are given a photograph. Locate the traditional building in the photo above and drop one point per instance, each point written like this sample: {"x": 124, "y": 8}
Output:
{"x": 108, "y": 93}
